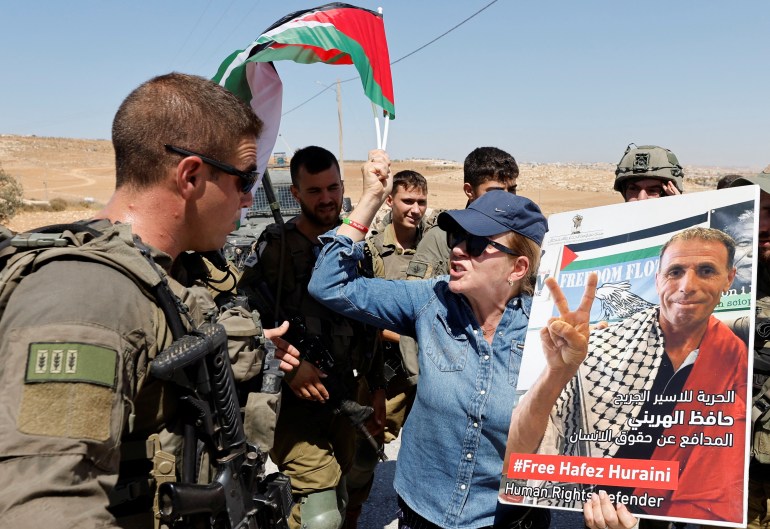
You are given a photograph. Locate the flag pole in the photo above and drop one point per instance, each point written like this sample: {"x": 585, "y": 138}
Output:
{"x": 385, "y": 133}
{"x": 377, "y": 126}
{"x": 381, "y": 141}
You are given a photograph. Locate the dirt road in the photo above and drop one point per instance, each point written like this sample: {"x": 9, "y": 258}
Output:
{"x": 76, "y": 170}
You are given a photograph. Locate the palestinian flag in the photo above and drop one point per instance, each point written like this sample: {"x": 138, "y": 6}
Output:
{"x": 335, "y": 33}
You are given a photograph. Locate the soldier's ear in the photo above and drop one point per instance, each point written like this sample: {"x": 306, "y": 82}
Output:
{"x": 189, "y": 178}
{"x": 468, "y": 190}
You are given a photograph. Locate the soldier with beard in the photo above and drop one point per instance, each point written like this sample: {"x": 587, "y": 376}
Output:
{"x": 314, "y": 444}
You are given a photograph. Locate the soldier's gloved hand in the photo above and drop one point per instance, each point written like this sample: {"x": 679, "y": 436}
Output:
{"x": 306, "y": 382}
{"x": 284, "y": 351}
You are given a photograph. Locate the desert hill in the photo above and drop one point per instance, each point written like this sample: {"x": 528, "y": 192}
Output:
{"x": 77, "y": 170}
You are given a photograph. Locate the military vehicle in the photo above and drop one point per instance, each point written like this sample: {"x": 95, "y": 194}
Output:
{"x": 241, "y": 241}
{"x": 259, "y": 215}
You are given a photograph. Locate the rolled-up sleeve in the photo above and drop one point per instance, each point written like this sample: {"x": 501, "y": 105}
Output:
{"x": 386, "y": 304}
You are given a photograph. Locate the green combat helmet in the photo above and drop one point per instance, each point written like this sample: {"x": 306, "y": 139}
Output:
{"x": 648, "y": 161}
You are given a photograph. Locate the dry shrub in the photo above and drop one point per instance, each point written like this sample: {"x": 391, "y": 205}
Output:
{"x": 11, "y": 194}
{"x": 88, "y": 204}
{"x": 58, "y": 204}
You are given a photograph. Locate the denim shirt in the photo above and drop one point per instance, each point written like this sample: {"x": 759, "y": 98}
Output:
{"x": 451, "y": 457}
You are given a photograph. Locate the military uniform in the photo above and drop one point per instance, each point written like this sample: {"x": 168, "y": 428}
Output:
{"x": 392, "y": 262}
{"x": 388, "y": 261}
{"x": 759, "y": 466}
{"x": 313, "y": 444}
{"x": 431, "y": 259}
{"x": 77, "y": 335}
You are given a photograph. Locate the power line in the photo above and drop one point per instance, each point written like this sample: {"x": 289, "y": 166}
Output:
{"x": 211, "y": 30}
{"x": 190, "y": 34}
{"x": 313, "y": 97}
{"x": 232, "y": 31}
{"x": 443, "y": 34}
{"x": 447, "y": 32}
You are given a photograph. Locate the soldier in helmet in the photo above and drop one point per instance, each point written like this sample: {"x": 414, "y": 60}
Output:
{"x": 648, "y": 171}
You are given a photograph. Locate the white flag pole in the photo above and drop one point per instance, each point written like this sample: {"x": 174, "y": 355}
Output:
{"x": 377, "y": 126}
{"x": 382, "y": 141}
{"x": 385, "y": 133}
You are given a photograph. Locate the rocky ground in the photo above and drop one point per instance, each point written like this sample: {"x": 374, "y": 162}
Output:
{"x": 83, "y": 170}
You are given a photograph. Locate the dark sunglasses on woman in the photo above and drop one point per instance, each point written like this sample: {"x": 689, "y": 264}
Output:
{"x": 474, "y": 244}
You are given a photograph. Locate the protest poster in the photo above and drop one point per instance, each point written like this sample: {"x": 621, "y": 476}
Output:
{"x": 662, "y": 430}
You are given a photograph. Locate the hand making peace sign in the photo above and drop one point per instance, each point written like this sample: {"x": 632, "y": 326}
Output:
{"x": 565, "y": 339}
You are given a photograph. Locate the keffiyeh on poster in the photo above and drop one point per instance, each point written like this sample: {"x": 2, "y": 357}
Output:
{"x": 661, "y": 397}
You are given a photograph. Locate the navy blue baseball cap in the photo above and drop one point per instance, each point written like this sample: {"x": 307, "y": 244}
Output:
{"x": 496, "y": 212}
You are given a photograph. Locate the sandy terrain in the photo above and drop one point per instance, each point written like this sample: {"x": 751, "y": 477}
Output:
{"x": 84, "y": 169}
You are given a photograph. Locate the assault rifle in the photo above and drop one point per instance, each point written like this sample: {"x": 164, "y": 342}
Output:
{"x": 313, "y": 350}
{"x": 310, "y": 347}
{"x": 239, "y": 496}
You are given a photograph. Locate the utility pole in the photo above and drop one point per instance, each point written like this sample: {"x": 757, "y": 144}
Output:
{"x": 341, "y": 157}
{"x": 339, "y": 116}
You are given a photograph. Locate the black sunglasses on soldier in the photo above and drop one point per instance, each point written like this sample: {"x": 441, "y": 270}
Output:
{"x": 248, "y": 178}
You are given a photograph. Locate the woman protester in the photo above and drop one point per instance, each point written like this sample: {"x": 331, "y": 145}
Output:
{"x": 470, "y": 327}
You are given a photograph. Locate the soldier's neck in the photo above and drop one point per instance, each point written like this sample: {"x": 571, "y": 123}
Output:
{"x": 405, "y": 237}
{"x": 153, "y": 215}
{"x": 311, "y": 229}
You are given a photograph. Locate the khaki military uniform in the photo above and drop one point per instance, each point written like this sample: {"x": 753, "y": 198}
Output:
{"x": 759, "y": 464}
{"x": 314, "y": 446}
{"x": 761, "y": 374}
{"x": 76, "y": 336}
{"x": 388, "y": 261}
{"x": 431, "y": 259}
{"x": 391, "y": 262}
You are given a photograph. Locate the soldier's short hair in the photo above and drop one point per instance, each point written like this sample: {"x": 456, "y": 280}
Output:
{"x": 314, "y": 159}
{"x": 183, "y": 110}
{"x": 409, "y": 179}
{"x": 727, "y": 179}
{"x": 489, "y": 163}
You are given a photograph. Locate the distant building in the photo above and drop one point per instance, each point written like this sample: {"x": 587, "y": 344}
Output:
{"x": 278, "y": 159}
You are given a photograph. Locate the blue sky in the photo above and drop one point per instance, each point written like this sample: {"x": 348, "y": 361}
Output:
{"x": 548, "y": 81}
